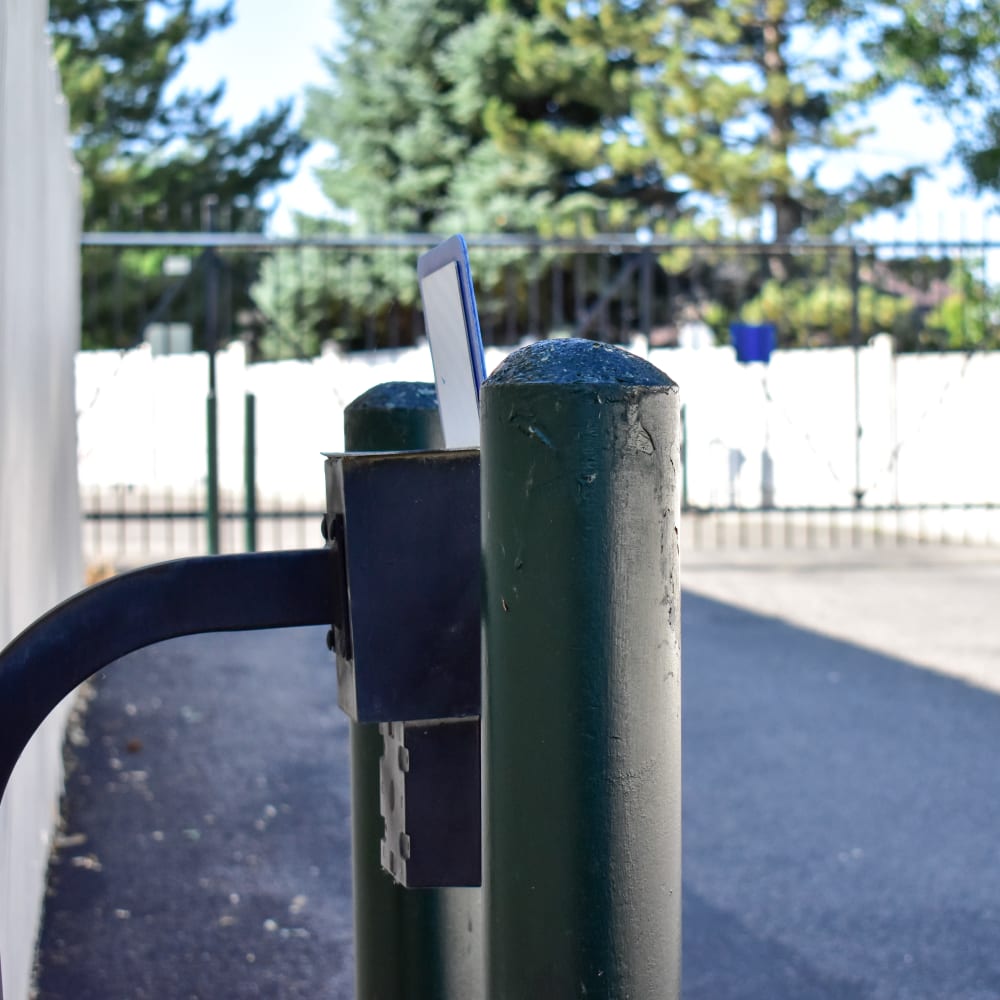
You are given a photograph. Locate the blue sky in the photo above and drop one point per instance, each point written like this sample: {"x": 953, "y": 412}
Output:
{"x": 274, "y": 51}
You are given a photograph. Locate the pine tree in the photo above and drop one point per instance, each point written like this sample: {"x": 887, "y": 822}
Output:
{"x": 688, "y": 118}
{"x": 149, "y": 163}
{"x": 387, "y": 115}
{"x": 146, "y": 162}
{"x": 951, "y": 52}
{"x": 653, "y": 112}
{"x": 508, "y": 115}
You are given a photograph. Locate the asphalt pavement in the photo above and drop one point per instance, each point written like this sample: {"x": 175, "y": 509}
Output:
{"x": 841, "y": 800}
{"x": 206, "y": 842}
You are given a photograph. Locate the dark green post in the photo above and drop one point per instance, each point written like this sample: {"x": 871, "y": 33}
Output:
{"x": 212, "y": 466}
{"x": 250, "y": 469}
{"x": 859, "y": 492}
{"x": 210, "y": 263}
{"x": 409, "y": 944}
{"x": 581, "y": 684}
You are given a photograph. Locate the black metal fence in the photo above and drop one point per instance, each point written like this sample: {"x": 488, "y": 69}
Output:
{"x": 285, "y": 297}
{"x": 125, "y": 527}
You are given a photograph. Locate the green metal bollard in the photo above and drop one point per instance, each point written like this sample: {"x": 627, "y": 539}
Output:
{"x": 581, "y": 684}
{"x": 250, "y": 469}
{"x": 420, "y": 944}
{"x": 212, "y": 475}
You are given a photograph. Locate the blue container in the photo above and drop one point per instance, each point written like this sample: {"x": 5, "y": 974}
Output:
{"x": 753, "y": 342}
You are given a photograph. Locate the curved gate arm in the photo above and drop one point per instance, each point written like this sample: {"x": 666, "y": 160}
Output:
{"x": 181, "y": 597}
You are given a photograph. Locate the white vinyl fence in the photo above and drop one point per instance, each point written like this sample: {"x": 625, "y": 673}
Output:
{"x": 784, "y": 434}
{"x": 39, "y": 527}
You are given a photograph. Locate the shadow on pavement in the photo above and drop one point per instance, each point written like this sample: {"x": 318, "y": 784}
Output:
{"x": 840, "y": 818}
{"x": 840, "y": 822}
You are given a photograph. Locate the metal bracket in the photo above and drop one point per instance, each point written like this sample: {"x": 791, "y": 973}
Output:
{"x": 398, "y": 581}
{"x": 429, "y": 785}
{"x": 407, "y": 645}
{"x": 407, "y": 641}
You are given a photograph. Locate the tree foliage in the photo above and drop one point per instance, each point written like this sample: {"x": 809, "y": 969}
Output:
{"x": 680, "y": 117}
{"x": 666, "y": 114}
{"x": 154, "y": 157}
{"x": 396, "y": 142}
{"x": 950, "y": 49}
{"x": 612, "y": 114}
{"x": 968, "y": 317}
{"x": 148, "y": 154}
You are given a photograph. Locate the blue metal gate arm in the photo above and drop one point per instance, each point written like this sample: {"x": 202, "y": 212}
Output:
{"x": 182, "y": 597}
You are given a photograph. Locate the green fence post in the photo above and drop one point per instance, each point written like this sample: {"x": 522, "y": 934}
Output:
{"x": 409, "y": 944}
{"x": 581, "y": 685}
{"x": 210, "y": 264}
{"x": 250, "y": 469}
{"x": 212, "y": 475}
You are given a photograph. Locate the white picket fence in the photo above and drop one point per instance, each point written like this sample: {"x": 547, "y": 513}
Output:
{"x": 755, "y": 436}
{"x": 40, "y": 561}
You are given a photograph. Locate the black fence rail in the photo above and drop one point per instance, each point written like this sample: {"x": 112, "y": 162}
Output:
{"x": 842, "y": 527}
{"x": 132, "y": 527}
{"x": 285, "y": 297}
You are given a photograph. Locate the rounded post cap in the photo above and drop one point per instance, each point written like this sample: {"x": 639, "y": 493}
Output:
{"x": 397, "y": 396}
{"x": 574, "y": 361}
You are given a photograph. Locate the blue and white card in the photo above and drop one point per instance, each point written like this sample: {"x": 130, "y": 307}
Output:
{"x": 455, "y": 339}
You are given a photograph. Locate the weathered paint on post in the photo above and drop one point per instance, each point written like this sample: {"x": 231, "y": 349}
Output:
{"x": 581, "y": 685}
{"x": 250, "y": 469}
{"x": 210, "y": 263}
{"x": 212, "y": 474}
{"x": 408, "y": 943}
